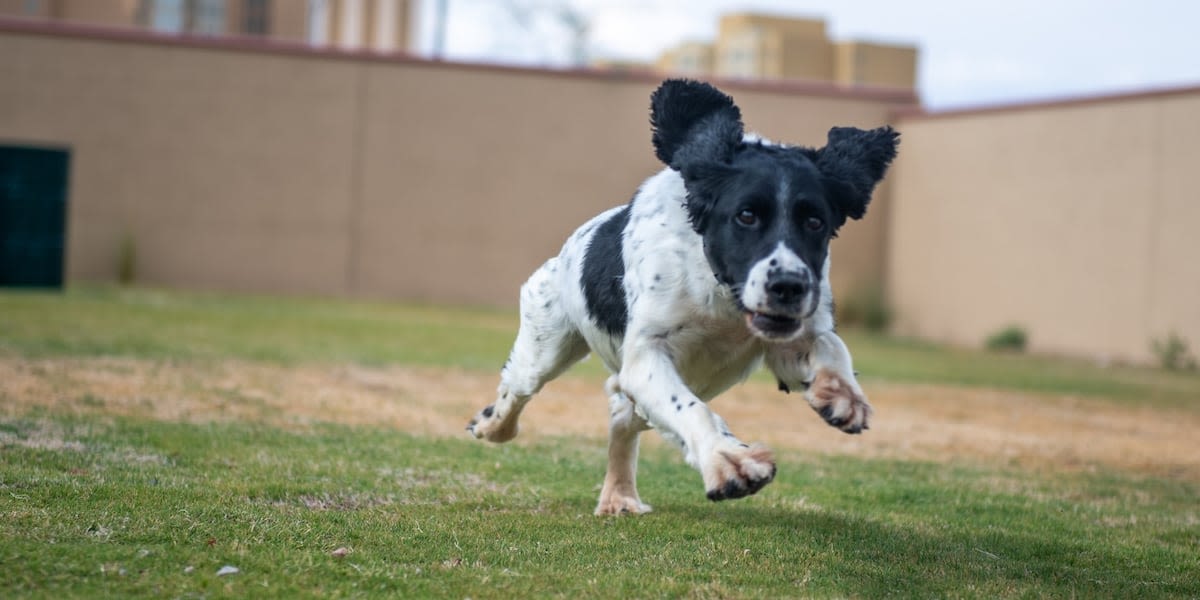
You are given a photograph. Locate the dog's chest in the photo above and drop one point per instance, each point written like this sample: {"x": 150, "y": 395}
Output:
{"x": 712, "y": 355}
{"x": 674, "y": 297}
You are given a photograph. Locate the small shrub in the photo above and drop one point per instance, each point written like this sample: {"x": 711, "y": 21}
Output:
{"x": 1173, "y": 353}
{"x": 127, "y": 260}
{"x": 1009, "y": 339}
{"x": 865, "y": 307}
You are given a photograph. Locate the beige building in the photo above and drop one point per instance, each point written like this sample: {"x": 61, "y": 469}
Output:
{"x": 694, "y": 59}
{"x": 113, "y": 13}
{"x": 753, "y": 46}
{"x": 380, "y": 25}
{"x": 865, "y": 63}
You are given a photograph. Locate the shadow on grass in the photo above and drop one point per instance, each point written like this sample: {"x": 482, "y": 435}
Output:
{"x": 870, "y": 558}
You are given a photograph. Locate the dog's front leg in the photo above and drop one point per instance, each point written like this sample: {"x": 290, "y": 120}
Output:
{"x": 731, "y": 469}
{"x": 822, "y": 367}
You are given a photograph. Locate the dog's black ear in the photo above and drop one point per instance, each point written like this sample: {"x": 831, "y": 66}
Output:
{"x": 852, "y": 162}
{"x": 697, "y": 130}
{"x": 693, "y": 123}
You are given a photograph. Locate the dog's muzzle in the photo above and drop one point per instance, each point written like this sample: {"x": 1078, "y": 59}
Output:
{"x": 782, "y": 305}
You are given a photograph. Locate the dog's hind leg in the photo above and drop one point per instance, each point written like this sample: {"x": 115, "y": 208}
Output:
{"x": 619, "y": 495}
{"x": 547, "y": 344}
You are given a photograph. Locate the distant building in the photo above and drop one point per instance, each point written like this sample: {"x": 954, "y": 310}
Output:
{"x": 753, "y": 46}
{"x": 863, "y": 63}
{"x": 381, "y": 25}
{"x": 688, "y": 58}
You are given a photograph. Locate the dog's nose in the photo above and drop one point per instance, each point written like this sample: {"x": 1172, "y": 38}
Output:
{"x": 787, "y": 288}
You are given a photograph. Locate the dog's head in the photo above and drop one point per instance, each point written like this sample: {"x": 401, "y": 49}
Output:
{"x": 766, "y": 212}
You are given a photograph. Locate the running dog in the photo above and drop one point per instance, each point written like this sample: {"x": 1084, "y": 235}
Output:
{"x": 720, "y": 263}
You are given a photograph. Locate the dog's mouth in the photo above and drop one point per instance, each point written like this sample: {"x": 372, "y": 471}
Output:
{"x": 773, "y": 326}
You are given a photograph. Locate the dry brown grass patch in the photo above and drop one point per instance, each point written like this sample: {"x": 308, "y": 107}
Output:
{"x": 912, "y": 421}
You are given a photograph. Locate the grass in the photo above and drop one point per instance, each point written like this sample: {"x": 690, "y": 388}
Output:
{"x": 129, "y": 507}
{"x": 912, "y": 361}
{"x": 146, "y": 323}
{"x": 158, "y": 324}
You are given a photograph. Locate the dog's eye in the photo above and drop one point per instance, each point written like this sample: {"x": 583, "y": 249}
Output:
{"x": 814, "y": 224}
{"x": 746, "y": 217}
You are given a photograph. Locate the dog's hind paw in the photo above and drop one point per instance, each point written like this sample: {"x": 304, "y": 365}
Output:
{"x": 616, "y": 504}
{"x": 738, "y": 471}
{"x": 493, "y": 426}
{"x": 841, "y": 403}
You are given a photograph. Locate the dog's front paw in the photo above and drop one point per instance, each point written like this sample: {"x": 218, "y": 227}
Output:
{"x": 493, "y": 426}
{"x": 841, "y": 403}
{"x": 738, "y": 471}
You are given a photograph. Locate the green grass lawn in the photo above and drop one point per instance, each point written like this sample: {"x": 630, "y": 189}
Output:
{"x": 121, "y": 507}
{"x": 124, "y": 508}
{"x": 158, "y": 324}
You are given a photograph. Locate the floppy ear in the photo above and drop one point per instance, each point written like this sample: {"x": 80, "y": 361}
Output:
{"x": 852, "y": 162}
{"x": 697, "y": 129}
{"x": 693, "y": 122}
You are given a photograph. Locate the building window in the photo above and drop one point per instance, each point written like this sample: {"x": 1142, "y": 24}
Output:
{"x": 318, "y": 22}
{"x": 142, "y": 12}
{"x": 256, "y": 19}
{"x": 742, "y": 58}
{"x": 208, "y": 17}
{"x": 167, "y": 16}
{"x": 386, "y": 17}
{"x": 351, "y": 34}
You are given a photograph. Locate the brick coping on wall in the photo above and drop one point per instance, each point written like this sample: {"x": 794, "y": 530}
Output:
{"x": 918, "y": 113}
{"x": 900, "y": 96}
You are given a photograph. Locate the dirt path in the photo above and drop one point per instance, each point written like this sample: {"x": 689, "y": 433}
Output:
{"x": 912, "y": 421}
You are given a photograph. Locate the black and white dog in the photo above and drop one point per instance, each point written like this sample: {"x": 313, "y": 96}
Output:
{"x": 719, "y": 263}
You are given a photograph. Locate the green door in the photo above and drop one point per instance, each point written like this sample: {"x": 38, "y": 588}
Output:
{"x": 33, "y": 216}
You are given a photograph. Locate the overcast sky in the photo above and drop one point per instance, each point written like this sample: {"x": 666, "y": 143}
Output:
{"x": 970, "y": 52}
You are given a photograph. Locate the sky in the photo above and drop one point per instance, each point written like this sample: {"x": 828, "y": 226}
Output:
{"x": 971, "y": 53}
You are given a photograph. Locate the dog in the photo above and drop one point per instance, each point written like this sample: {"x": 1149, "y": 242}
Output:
{"x": 719, "y": 264}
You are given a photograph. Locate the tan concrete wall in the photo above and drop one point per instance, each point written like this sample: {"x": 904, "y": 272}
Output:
{"x": 243, "y": 168}
{"x": 518, "y": 161}
{"x": 1173, "y": 294}
{"x": 228, "y": 169}
{"x": 1075, "y": 221}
